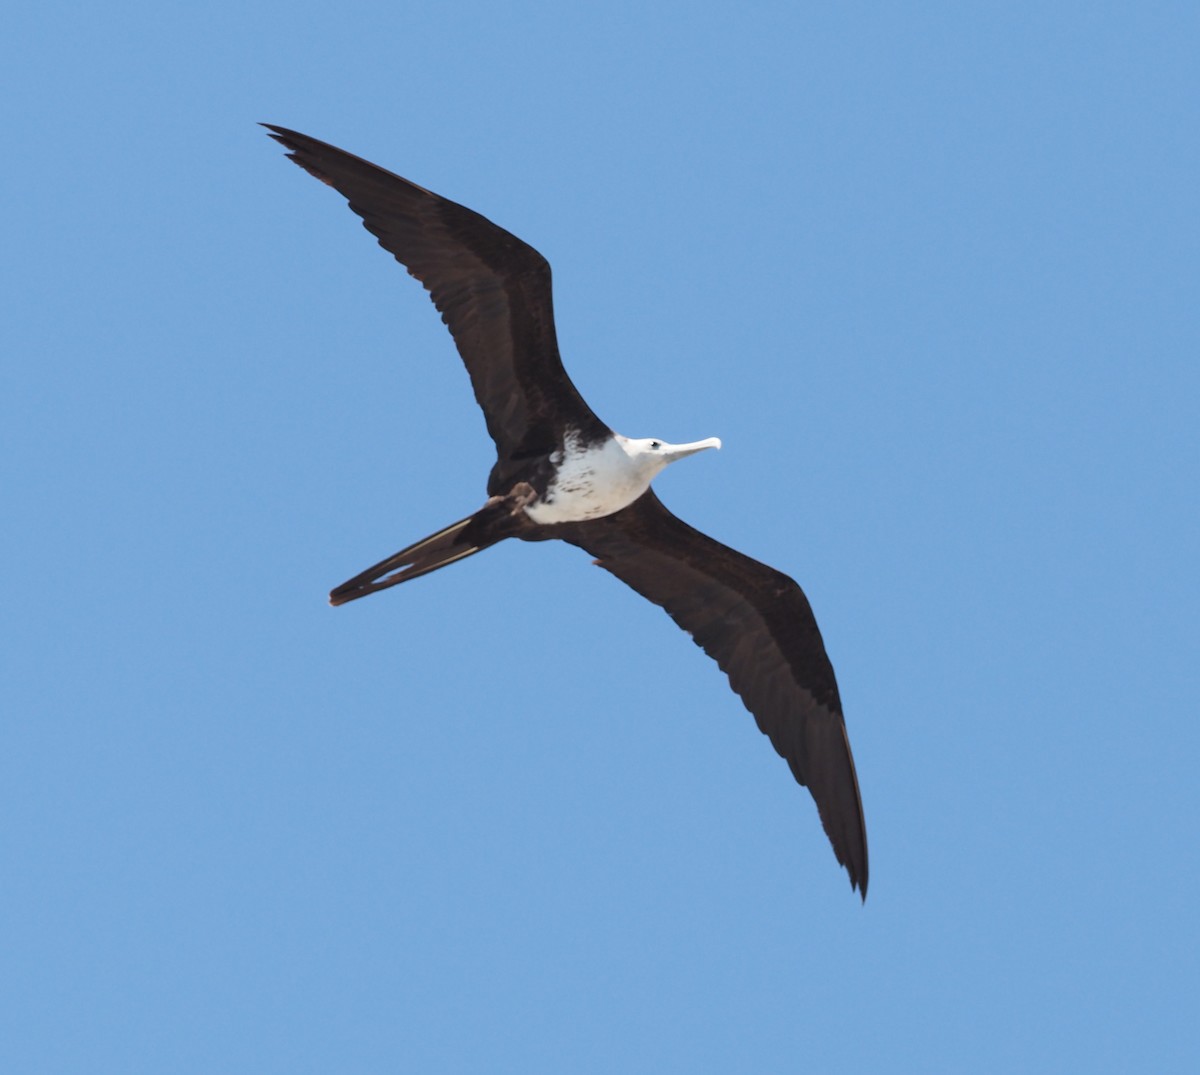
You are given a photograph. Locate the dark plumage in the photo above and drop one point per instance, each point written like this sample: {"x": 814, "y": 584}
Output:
{"x": 494, "y": 294}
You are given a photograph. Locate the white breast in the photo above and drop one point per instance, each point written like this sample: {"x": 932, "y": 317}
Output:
{"x": 590, "y": 483}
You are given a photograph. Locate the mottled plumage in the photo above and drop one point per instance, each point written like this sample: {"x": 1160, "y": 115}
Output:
{"x": 563, "y": 473}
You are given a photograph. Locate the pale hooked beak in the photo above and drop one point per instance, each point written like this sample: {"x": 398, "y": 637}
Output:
{"x": 680, "y": 451}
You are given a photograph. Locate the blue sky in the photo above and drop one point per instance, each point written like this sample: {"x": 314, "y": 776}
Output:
{"x": 931, "y": 274}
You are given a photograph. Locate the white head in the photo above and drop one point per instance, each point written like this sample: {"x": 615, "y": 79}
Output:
{"x": 652, "y": 456}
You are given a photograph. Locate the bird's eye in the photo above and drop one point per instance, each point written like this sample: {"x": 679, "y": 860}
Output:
{"x": 655, "y": 444}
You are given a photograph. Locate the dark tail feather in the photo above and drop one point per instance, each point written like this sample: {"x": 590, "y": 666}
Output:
{"x": 437, "y": 550}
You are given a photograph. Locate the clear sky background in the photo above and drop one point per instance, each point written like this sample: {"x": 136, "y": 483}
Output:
{"x": 930, "y": 271}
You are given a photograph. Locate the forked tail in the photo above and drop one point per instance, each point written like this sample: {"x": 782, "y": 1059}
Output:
{"x": 453, "y": 543}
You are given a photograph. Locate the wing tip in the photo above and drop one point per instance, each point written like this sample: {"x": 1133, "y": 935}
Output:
{"x": 282, "y": 135}
{"x": 852, "y": 855}
{"x": 859, "y": 883}
{"x": 300, "y": 150}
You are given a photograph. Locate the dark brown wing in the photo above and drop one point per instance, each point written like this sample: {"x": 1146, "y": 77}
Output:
{"x": 758, "y": 626}
{"x": 493, "y": 292}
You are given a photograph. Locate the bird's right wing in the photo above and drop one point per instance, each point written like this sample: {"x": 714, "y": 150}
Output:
{"x": 756, "y": 623}
{"x": 492, "y": 289}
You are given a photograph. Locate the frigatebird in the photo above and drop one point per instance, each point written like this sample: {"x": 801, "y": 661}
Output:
{"x": 562, "y": 473}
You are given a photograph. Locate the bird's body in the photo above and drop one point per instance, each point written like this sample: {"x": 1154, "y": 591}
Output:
{"x": 594, "y": 480}
{"x": 563, "y": 473}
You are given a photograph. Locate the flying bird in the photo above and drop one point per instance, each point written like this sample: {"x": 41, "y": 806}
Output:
{"x": 561, "y": 472}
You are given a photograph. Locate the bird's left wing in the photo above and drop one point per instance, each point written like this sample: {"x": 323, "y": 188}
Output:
{"x": 756, "y": 623}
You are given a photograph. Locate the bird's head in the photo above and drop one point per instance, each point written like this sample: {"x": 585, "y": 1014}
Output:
{"x": 652, "y": 456}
